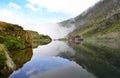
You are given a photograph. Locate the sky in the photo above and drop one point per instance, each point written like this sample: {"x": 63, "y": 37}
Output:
{"x": 29, "y": 13}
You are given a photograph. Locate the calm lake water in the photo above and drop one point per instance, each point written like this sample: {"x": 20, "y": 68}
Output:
{"x": 60, "y": 59}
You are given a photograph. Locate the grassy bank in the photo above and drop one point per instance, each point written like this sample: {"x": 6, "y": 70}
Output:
{"x": 39, "y": 39}
{"x": 12, "y": 42}
{"x": 13, "y": 36}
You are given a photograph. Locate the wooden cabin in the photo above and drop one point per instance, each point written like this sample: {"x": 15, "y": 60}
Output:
{"x": 75, "y": 39}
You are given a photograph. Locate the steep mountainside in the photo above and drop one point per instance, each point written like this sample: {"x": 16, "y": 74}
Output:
{"x": 100, "y": 21}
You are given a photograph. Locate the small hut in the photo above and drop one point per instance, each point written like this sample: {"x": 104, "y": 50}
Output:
{"x": 75, "y": 38}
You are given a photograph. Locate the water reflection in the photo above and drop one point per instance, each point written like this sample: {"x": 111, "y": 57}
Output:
{"x": 98, "y": 58}
{"x": 18, "y": 57}
{"x": 59, "y": 60}
{"x": 53, "y": 49}
{"x": 46, "y": 63}
{"x": 55, "y": 67}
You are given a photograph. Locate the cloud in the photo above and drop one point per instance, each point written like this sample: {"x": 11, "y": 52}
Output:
{"x": 72, "y": 70}
{"x": 11, "y": 16}
{"x": 58, "y": 47}
{"x": 73, "y": 7}
{"x": 30, "y": 71}
{"x": 52, "y": 29}
{"x": 14, "y": 5}
{"x": 15, "y": 17}
{"x": 32, "y": 7}
{"x": 6, "y": 15}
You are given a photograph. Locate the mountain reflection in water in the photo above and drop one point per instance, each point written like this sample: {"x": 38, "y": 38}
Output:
{"x": 18, "y": 57}
{"x": 46, "y": 63}
{"x": 59, "y": 60}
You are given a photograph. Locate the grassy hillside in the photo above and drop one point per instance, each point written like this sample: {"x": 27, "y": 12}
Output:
{"x": 107, "y": 29}
{"x": 13, "y": 36}
{"x": 102, "y": 21}
{"x": 101, "y": 11}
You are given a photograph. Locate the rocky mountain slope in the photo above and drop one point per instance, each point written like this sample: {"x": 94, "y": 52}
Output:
{"x": 100, "y": 21}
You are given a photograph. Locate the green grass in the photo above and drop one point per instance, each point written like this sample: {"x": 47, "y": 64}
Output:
{"x": 96, "y": 31}
{"x": 101, "y": 28}
{"x": 12, "y": 42}
{"x": 115, "y": 27}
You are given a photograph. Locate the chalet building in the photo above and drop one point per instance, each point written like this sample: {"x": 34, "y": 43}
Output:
{"x": 75, "y": 39}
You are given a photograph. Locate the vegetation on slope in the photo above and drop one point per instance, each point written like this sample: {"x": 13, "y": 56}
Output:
{"x": 11, "y": 42}
{"x": 39, "y": 39}
{"x": 13, "y": 36}
{"x": 98, "y": 22}
{"x": 107, "y": 29}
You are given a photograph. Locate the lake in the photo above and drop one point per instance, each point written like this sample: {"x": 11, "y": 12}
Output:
{"x": 60, "y": 59}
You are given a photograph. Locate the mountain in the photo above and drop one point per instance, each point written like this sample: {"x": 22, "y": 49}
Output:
{"x": 102, "y": 21}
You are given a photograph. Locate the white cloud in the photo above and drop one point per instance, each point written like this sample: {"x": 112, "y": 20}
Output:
{"x": 73, "y": 7}
{"x": 71, "y": 70}
{"x": 14, "y": 17}
{"x": 6, "y": 15}
{"x": 30, "y": 71}
{"x": 14, "y": 5}
{"x": 32, "y": 7}
{"x": 52, "y": 29}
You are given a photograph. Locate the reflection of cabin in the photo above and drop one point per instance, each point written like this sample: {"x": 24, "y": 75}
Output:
{"x": 74, "y": 38}
{"x": 77, "y": 38}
